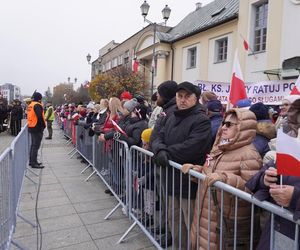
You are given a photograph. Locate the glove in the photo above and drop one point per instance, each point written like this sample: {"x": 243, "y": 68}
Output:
{"x": 162, "y": 158}
{"x": 187, "y": 166}
{"x": 213, "y": 177}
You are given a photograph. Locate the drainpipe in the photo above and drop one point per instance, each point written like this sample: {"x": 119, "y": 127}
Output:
{"x": 172, "y": 64}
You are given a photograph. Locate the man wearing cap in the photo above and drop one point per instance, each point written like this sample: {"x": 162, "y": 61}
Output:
{"x": 36, "y": 125}
{"x": 185, "y": 138}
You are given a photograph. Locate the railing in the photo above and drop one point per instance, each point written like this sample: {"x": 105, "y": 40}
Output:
{"x": 13, "y": 167}
{"x": 167, "y": 205}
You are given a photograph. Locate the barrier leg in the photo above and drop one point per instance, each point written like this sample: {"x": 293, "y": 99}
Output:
{"x": 71, "y": 151}
{"x": 112, "y": 211}
{"x": 29, "y": 178}
{"x": 87, "y": 179}
{"x": 73, "y": 154}
{"x": 18, "y": 245}
{"x": 26, "y": 220}
{"x": 126, "y": 233}
{"x": 85, "y": 169}
{"x": 68, "y": 142}
{"x": 31, "y": 171}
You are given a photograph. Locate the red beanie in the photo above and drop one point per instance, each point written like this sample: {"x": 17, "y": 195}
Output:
{"x": 126, "y": 95}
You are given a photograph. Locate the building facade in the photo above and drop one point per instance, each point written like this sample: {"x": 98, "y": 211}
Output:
{"x": 203, "y": 44}
{"x": 10, "y": 92}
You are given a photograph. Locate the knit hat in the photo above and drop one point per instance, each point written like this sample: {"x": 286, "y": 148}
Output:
{"x": 146, "y": 134}
{"x": 167, "y": 90}
{"x": 125, "y": 95}
{"x": 260, "y": 110}
{"x": 190, "y": 88}
{"x": 36, "y": 96}
{"x": 291, "y": 98}
{"x": 214, "y": 106}
{"x": 141, "y": 111}
{"x": 208, "y": 96}
{"x": 90, "y": 106}
{"x": 131, "y": 104}
{"x": 243, "y": 103}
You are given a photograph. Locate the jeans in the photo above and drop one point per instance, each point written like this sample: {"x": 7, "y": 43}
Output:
{"x": 36, "y": 138}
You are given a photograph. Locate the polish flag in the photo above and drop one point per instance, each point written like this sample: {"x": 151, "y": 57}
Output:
{"x": 246, "y": 45}
{"x": 237, "y": 87}
{"x": 296, "y": 89}
{"x": 118, "y": 128}
{"x": 287, "y": 154}
{"x": 75, "y": 117}
{"x": 135, "y": 65}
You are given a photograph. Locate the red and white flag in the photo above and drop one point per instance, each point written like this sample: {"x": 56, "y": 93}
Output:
{"x": 246, "y": 45}
{"x": 237, "y": 87}
{"x": 296, "y": 89}
{"x": 135, "y": 65}
{"x": 287, "y": 154}
{"x": 118, "y": 128}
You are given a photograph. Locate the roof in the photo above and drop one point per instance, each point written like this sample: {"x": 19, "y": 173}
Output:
{"x": 210, "y": 15}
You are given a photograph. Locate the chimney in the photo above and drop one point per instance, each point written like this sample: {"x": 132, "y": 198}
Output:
{"x": 198, "y": 5}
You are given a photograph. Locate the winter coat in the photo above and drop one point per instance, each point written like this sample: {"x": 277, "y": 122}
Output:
{"x": 133, "y": 131}
{"x": 168, "y": 110}
{"x": 237, "y": 161}
{"x": 261, "y": 192}
{"x": 186, "y": 137}
{"x": 265, "y": 131}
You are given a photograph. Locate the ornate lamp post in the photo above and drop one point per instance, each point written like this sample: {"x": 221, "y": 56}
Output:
{"x": 166, "y": 14}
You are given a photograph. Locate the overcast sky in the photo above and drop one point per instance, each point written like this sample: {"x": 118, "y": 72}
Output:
{"x": 43, "y": 42}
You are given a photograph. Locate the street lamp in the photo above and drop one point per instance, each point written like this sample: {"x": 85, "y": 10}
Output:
{"x": 88, "y": 58}
{"x": 166, "y": 14}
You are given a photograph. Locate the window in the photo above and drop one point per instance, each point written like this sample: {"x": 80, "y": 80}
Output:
{"x": 221, "y": 50}
{"x": 126, "y": 58}
{"x": 260, "y": 27}
{"x": 120, "y": 60}
{"x": 191, "y": 57}
{"x": 115, "y": 62}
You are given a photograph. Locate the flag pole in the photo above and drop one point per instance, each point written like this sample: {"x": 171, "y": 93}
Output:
{"x": 251, "y": 50}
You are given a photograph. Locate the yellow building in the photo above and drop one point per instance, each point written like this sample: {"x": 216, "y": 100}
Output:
{"x": 202, "y": 45}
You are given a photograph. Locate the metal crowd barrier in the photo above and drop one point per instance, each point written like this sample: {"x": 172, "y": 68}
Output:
{"x": 165, "y": 215}
{"x": 162, "y": 201}
{"x": 13, "y": 167}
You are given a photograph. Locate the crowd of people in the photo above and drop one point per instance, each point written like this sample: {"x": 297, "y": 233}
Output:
{"x": 193, "y": 129}
{"x": 11, "y": 116}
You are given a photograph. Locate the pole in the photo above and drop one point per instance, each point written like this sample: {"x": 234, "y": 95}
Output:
{"x": 153, "y": 58}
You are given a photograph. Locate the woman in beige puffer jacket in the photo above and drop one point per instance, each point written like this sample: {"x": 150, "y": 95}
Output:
{"x": 232, "y": 160}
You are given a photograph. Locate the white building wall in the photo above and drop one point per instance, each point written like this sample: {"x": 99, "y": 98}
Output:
{"x": 191, "y": 74}
{"x": 220, "y": 72}
{"x": 290, "y": 30}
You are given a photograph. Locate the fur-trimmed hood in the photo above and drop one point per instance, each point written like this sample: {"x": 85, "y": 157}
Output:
{"x": 266, "y": 129}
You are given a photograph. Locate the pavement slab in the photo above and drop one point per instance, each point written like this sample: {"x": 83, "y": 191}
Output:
{"x": 71, "y": 210}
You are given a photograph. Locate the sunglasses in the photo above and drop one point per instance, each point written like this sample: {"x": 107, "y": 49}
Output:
{"x": 228, "y": 124}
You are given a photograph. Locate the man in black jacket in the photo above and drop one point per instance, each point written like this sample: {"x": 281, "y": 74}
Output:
{"x": 185, "y": 138}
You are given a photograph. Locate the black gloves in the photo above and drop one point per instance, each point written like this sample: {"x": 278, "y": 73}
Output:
{"x": 162, "y": 158}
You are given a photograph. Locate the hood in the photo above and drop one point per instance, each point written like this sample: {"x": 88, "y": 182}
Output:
{"x": 246, "y": 125}
{"x": 266, "y": 129}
